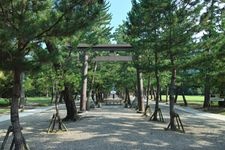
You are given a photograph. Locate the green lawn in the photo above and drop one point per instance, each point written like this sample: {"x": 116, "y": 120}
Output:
{"x": 34, "y": 101}
{"x": 38, "y": 101}
{"x": 196, "y": 101}
{"x": 4, "y": 110}
{"x": 191, "y": 99}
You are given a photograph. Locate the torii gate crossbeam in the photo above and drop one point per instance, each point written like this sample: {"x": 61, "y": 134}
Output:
{"x": 110, "y": 48}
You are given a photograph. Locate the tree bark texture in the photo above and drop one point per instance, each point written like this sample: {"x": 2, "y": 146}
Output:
{"x": 18, "y": 139}
{"x": 157, "y": 86}
{"x": 83, "y": 100}
{"x": 140, "y": 91}
{"x": 70, "y": 104}
{"x": 207, "y": 92}
{"x": 172, "y": 93}
{"x": 127, "y": 97}
{"x": 22, "y": 91}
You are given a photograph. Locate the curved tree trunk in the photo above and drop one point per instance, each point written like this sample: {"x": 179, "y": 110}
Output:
{"x": 18, "y": 138}
{"x": 70, "y": 104}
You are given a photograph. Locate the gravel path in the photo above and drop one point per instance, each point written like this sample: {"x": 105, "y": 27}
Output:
{"x": 117, "y": 128}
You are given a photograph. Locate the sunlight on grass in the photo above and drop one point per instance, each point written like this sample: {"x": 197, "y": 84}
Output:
{"x": 4, "y": 110}
{"x": 40, "y": 101}
{"x": 196, "y": 101}
{"x": 193, "y": 99}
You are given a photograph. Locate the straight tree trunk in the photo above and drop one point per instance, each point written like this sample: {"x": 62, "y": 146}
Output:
{"x": 207, "y": 92}
{"x": 176, "y": 94}
{"x": 173, "y": 75}
{"x": 127, "y": 97}
{"x": 18, "y": 139}
{"x": 83, "y": 100}
{"x": 172, "y": 93}
{"x": 157, "y": 86}
{"x": 22, "y": 91}
{"x": 140, "y": 91}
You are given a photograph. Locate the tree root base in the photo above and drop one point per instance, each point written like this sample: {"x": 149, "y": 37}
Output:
{"x": 10, "y": 129}
{"x": 147, "y": 111}
{"x": 156, "y": 113}
{"x": 179, "y": 128}
{"x": 61, "y": 125}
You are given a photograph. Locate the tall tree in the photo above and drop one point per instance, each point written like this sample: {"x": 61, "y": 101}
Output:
{"x": 178, "y": 29}
{"x": 211, "y": 44}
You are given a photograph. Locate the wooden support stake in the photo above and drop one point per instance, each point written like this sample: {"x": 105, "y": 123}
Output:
{"x": 10, "y": 129}
{"x": 61, "y": 126}
{"x": 180, "y": 126}
{"x": 157, "y": 112}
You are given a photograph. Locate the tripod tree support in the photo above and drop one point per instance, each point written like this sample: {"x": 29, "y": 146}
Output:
{"x": 179, "y": 124}
{"x": 56, "y": 119}
{"x": 155, "y": 114}
{"x": 10, "y": 129}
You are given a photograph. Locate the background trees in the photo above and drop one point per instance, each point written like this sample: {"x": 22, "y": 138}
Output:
{"x": 169, "y": 30}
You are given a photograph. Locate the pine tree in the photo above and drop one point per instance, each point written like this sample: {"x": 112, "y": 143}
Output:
{"x": 210, "y": 45}
{"x": 23, "y": 24}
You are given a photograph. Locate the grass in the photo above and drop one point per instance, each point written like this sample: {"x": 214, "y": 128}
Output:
{"x": 196, "y": 101}
{"x": 38, "y": 101}
{"x": 4, "y": 110}
{"x": 32, "y": 101}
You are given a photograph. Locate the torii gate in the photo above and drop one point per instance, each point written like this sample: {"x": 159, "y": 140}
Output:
{"x": 110, "y": 48}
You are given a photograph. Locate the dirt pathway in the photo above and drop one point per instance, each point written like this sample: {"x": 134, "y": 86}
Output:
{"x": 117, "y": 128}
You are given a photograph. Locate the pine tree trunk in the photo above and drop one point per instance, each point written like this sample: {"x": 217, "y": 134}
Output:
{"x": 83, "y": 100}
{"x": 172, "y": 93}
{"x": 127, "y": 97}
{"x": 148, "y": 89}
{"x": 14, "y": 110}
{"x": 140, "y": 91}
{"x": 22, "y": 91}
{"x": 70, "y": 104}
{"x": 207, "y": 92}
{"x": 157, "y": 86}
